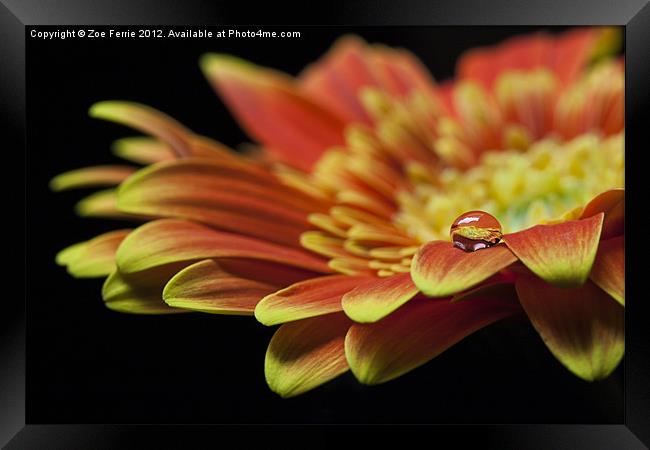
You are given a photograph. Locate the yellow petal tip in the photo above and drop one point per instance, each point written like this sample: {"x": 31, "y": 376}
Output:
{"x": 56, "y": 184}
{"x": 103, "y": 108}
{"x": 112, "y": 110}
{"x": 223, "y": 64}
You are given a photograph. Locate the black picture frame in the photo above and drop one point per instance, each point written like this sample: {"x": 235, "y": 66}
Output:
{"x": 634, "y": 15}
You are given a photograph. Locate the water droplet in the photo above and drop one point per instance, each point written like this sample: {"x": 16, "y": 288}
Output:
{"x": 475, "y": 230}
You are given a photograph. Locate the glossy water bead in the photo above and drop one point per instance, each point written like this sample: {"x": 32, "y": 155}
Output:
{"x": 475, "y": 230}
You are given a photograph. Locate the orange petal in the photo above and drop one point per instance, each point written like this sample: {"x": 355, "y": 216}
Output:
{"x": 573, "y": 51}
{"x": 96, "y": 176}
{"x": 439, "y": 269}
{"x": 97, "y": 256}
{"x": 167, "y": 241}
{"x": 218, "y": 193}
{"x": 524, "y": 52}
{"x": 148, "y": 120}
{"x": 416, "y": 333}
{"x": 308, "y": 298}
{"x": 104, "y": 204}
{"x": 303, "y": 355}
{"x": 563, "y": 253}
{"x": 402, "y": 72}
{"x": 273, "y": 110}
{"x": 140, "y": 293}
{"x": 567, "y": 55}
{"x": 337, "y": 79}
{"x": 612, "y": 203}
{"x": 378, "y": 298}
{"x": 206, "y": 286}
{"x": 143, "y": 150}
{"x": 582, "y": 327}
{"x": 608, "y": 271}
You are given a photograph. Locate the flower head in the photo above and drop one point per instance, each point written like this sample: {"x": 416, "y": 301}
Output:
{"x": 338, "y": 226}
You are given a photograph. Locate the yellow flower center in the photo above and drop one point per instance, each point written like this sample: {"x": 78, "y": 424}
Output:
{"x": 520, "y": 189}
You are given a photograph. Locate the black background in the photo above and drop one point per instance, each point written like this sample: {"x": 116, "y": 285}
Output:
{"x": 87, "y": 364}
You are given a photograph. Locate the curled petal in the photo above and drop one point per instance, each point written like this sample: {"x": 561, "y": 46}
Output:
{"x": 582, "y": 327}
{"x": 303, "y": 355}
{"x": 273, "y": 110}
{"x": 608, "y": 271}
{"x": 68, "y": 254}
{"x": 140, "y": 293}
{"x": 93, "y": 258}
{"x": 208, "y": 287}
{"x": 439, "y": 269}
{"x": 563, "y": 253}
{"x": 309, "y": 298}
{"x": 416, "y": 333}
{"x": 377, "y": 298}
{"x": 612, "y": 204}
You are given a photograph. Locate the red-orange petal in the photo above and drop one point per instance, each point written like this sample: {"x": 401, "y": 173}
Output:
{"x": 222, "y": 194}
{"x": 608, "y": 271}
{"x": 563, "y": 253}
{"x": 582, "y": 327}
{"x": 485, "y": 64}
{"x": 612, "y": 204}
{"x": 208, "y": 287}
{"x": 573, "y": 51}
{"x": 272, "y": 109}
{"x": 416, "y": 333}
{"x": 439, "y": 269}
{"x": 566, "y": 55}
{"x": 377, "y": 298}
{"x": 303, "y": 355}
{"x": 337, "y": 79}
{"x": 402, "y": 72}
{"x": 309, "y": 298}
{"x": 168, "y": 241}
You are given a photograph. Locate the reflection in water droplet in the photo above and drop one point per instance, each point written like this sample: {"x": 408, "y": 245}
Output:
{"x": 475, "y": 230}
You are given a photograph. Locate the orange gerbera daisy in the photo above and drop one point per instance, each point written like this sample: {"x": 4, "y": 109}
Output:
{"x": 338, "y": 225}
